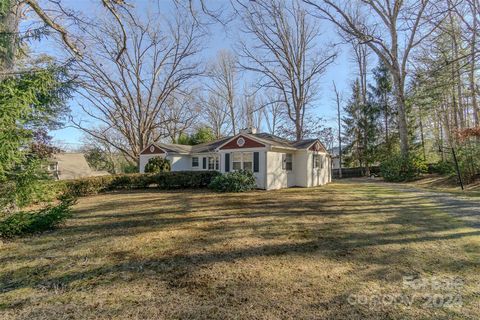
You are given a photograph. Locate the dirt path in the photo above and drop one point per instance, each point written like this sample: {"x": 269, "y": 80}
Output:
{"x": 465, "y": 208}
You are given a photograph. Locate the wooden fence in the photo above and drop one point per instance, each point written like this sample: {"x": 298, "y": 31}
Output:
{"x": 354, "y": 172}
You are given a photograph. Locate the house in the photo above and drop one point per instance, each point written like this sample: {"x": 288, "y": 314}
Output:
{"x": 71, "y": 165}
{"x": 276, "y": 163}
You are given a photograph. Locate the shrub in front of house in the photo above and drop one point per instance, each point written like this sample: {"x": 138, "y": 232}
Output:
{"x": 27, "y": 222}
{"x": 157, "y": 165}
{"x": 398, "y": 168}
{"x": 237, "y": 181}
{"x": 162, "y": 180}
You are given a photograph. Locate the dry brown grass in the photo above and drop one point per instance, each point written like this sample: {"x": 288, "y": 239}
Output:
{"x": 295, "y": 253}
{"x": 448, "y": 184}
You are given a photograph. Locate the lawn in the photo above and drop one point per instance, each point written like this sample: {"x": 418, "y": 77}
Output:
{"x": 326, "y": 252}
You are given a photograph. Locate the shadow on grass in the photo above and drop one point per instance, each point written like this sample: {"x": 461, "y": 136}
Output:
{"x": 342, "y": 225}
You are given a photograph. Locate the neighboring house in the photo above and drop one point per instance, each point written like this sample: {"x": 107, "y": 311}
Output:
{"x": 276, "y": 162}
{"x": 64, "y": 166}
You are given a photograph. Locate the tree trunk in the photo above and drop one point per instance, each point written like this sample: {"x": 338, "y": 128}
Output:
{"x": 402, "y": 117}
{"x": 423, "y": 139}
{"x": 476, "y": 110}
{"x": 298, "y": 125}
{"x": 8, "y": 38}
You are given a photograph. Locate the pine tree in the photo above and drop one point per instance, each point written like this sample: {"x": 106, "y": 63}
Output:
{"x": 381, "y": 94}
{"x": 359, "y": 131}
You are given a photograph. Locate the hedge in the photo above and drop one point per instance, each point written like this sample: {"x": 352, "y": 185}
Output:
{"x": 162, "y": 180}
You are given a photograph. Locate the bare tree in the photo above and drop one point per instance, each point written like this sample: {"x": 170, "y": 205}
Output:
{"x": 118, "y": 9}
{"x": 284, "y": 52}
{"x": 392, "y": 29}
{"x": 180, "y": 113}
{"x": 223, "y": 75}
{"x": 361, "y": 59}
{"x": 251, "y": 109}
{"x": 339, "y": 120}
{"x": 215, "y": 115}
{"x": 114, "y": 7}
{"x": 273, "y": 111}
{"x": 127, "y": 95}
{"x": 473, "y": 28}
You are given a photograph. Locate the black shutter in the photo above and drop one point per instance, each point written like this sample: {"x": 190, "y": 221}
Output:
{"x": 256, "y": 161}
{"x": 227, "y": 162}
{"x": 204, "y": 163}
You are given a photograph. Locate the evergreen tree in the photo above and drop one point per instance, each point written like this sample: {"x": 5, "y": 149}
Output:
{"x": 359, "y": 131}
{"x": 32, "y": 99}
{"x": 202, "y": 135}
{"x": 381, "y": 95}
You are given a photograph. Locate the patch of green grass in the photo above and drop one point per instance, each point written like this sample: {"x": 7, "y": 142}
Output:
{"x": 294, "y": 253}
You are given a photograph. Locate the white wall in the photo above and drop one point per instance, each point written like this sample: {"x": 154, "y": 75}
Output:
{"x": 144, "y": 160}
{"x": 270, "y": 175}
{"x": 301, "y": 167}
{"x": 260, "y": 175}
{"x": 180, "y": 162}
{"x": 318, "y": 176}
{"x": 278, "y": 178}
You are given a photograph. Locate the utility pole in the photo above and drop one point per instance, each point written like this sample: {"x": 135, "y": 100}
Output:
{"x": 337, "y": 97}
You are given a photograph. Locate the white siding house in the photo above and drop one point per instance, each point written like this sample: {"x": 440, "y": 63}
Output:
{"x": 276, "y": 163}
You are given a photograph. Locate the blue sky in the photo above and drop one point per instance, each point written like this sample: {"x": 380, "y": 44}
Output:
{"x": 342, "y": 71}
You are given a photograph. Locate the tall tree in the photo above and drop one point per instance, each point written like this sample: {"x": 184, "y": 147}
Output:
{"x": 283, "y": 49}
{"x": 215, "y": 115}
{"x": 251, "y": 109}
{"x": 224, "y": 77}
{"x": 273, "y": 111}
{"x": 391, "y": 29}
{"x": 180, "y": 114}
{"x": 339, "y": 120}
{"x": 381, "y": 91}
{"x": 359, "y": 130}
{"x": 128, "y": 94}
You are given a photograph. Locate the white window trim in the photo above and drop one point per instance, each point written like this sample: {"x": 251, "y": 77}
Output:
{"x": 242, "y": 167}
{"x": 216, "y": 162}
{"x": 198, "y": 162}
{"x": 319, "y": 156}
{"x": 284, "y": 162}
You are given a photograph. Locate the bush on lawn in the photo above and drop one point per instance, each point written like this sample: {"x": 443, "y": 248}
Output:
{"x": 25, "y": 222}
{"x": 443, "y": 168}
{"x": 468, "y": 156}
{"x": 398, "y": 168}
{"x": 237, "y": 181}
{"x": 157, "y": 165}
{"x": 162, "y": 180}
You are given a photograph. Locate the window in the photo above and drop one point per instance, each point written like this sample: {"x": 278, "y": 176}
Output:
{"x": 287, "y": 161}
{"x": 195, "y": 162}
{"x": 248, "y": 161}
{"x": 242, "y": 160}
{"x": 213, "y": 163}
{"x": 317, "y": 161}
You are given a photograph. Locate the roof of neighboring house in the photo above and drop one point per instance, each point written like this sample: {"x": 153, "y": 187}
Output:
{"x": 266, "y": 138}
{"x": 175, "y": 148}
{"x": 209, "y": 146}
{"x": 74, "y": 165}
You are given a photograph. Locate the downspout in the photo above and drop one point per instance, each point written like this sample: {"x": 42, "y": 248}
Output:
{"x": 265, "y": 181}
